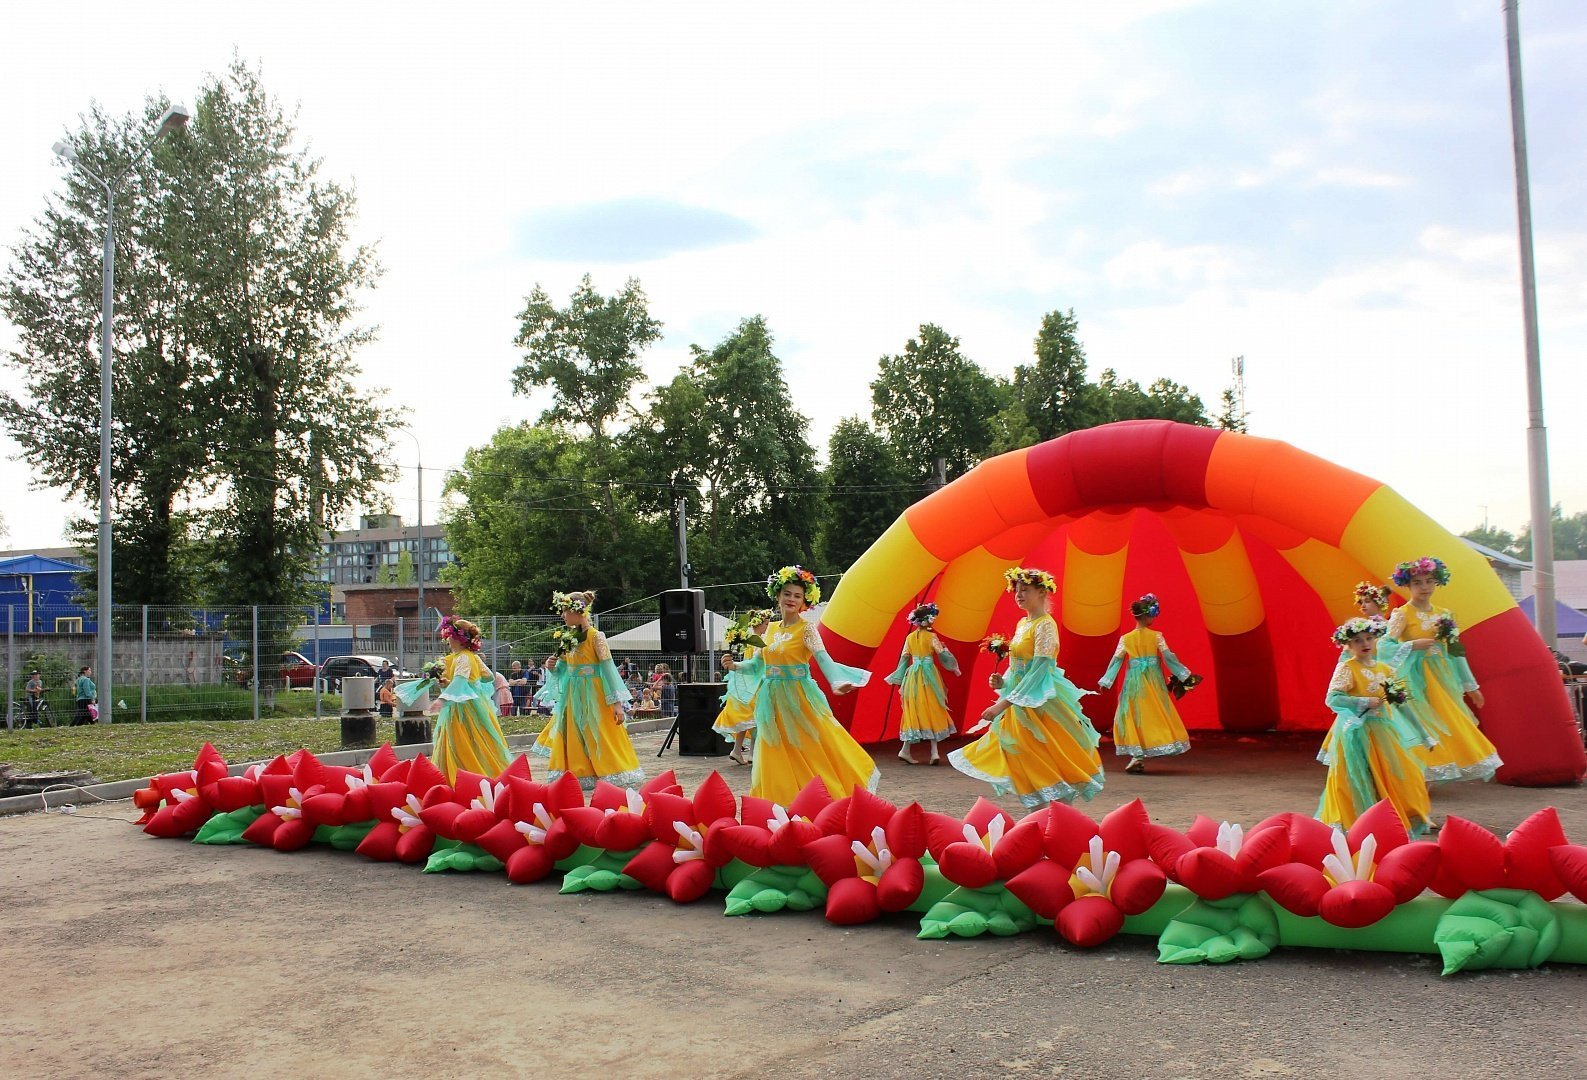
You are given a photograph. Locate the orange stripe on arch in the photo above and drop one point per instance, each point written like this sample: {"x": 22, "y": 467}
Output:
{"x": 1268, "y": 478}
{"x": 979, "y": 505}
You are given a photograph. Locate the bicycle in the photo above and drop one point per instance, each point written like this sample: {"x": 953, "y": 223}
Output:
{"x": 24, "y": 714}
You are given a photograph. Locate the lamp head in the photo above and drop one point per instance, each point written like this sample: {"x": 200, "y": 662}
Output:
{"x": 175, "y": 117}
{"x": 64, "y": 151}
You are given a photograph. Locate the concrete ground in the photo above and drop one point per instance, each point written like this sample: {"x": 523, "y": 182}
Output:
{"x": 129, "y": 956}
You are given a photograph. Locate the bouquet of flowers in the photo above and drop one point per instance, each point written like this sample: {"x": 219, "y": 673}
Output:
{"x": 997, "y": 645}
{"x": 1395, "y": 692}
{"x": 740, "y": 634}
{"x": 1180, "y": 687}
{"x": 433, "y": 669}
{"x": 1448, "y": 635}
{"x": 568, "y": 638}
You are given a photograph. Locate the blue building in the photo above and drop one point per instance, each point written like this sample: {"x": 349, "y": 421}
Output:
{"x": 39, "y": 592}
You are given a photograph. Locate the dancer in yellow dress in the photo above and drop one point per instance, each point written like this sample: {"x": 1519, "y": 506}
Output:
{"x": 1373, "y": 603}
{"x": 467, "y": 735}
{"x": 1146, "y": 723}
{"x": 796, "y": 735}
{"x": 586, "y": 735}
{"x": 1432, "y": 662}
{"x": 1040, "y": 746}
{"x": 1370, "y": 750}
{"x": 737, "y": 718}
{"x": 925, "y": 705}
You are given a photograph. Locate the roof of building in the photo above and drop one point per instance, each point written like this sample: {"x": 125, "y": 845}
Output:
{"x": 1497, "y": 556}
{"x": 38, "y": 564}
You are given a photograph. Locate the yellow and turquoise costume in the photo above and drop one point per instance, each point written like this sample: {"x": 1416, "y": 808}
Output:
{"x": 1040, "y": 747}
{"x": 925, "y": 704}
{"x": 1438, "y": 683}
{"x": 796, "y": 735}
{"x": 1146, "y": 724}
{"x": 467, "y": 735}
{"x": 1370, "y": 752}
{"x": 738, "y": 704}
{"x": 584, "y": 736}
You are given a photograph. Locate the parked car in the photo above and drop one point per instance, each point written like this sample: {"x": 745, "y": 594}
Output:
{"x": 297, "y": 670}
{"x": 337, "y": 668}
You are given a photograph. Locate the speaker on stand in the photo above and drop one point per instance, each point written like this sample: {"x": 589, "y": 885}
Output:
{"x": 698, "y": 704}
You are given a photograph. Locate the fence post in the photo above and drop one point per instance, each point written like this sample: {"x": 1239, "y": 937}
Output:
{"x": 255, "y": 659}
{"x": 11, "y": 663}
{"x": 314, "y": 683}
{"x": 402, "y": 648}
{"x": 143, "y": 707}
{"x": 493, "y": 664}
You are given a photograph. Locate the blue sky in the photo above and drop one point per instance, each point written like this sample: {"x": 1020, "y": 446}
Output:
{"x": 1323, "y": 187}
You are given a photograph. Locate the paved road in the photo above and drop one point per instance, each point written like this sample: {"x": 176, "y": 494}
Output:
{"x": 128, "y": 956}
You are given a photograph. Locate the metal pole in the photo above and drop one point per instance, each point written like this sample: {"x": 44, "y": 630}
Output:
{"x": 107, "y": 316}
{"x": 256, "y": 662}
{"x": 1536, "y": 433}
{"x": 402, "y": 648}
{"x": 314, "y": 683}
{"x": 420, "y": 560}
{"x": 493, "y": 657}
{"x": 11, "y": 663}
{"x": 683, "y": 546}
{"x": 143, "y": 706}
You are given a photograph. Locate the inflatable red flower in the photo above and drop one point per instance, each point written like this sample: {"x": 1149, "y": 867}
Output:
{"x": 472, "y": 806}
{"x": 773, "y": 835}
{"x": 282, "y": 826}
{"x": 1363, "y": 875}
{"x": 532, "y": 835}
{"x": 873, "y": 864}
{"x": 1471, "y": 858}
{"x": 1215, "y": 860}
{"x": 399, "y": 834}
{"x": 615, "y": 818}
{"x": 986, "y": 846}
{"x": 1094, "y": 875}
{"x": 173, "y": 804}
{"x": 682, "y": 859}
{"x": 345, "y": 800}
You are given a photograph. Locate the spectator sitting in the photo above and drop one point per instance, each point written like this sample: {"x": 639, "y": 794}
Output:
{"x": 648, "y": 702}
{"x": 669, "y": 696}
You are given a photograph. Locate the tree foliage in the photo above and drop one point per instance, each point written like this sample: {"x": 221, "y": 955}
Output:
{"x": 931, "y": 401}
{"x": 1570, "y": 536}
{"x": 870, "y": 488}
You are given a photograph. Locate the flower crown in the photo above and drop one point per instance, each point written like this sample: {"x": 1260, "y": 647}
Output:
{"x": 923, "y": 615}
{"x": 1375, "y": 627}
{"x": 561, "y": 601}
{"x": 1428, "y": 565}
{"x": 1377, "y": 594}
{"x": 1030, "y": 576}
{"x": 794, "y": 575}
{"x": 1147, "y": 607}
{"x": 465, "y": 634}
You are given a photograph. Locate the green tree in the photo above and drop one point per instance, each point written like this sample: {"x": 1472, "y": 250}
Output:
{"x": 274, "y": 283}
{"x": 1501, "y": 540}
{"x": 930, "y": 402}
{"x": 1124, "y": 399}
{"x": 1570, "y": 536}
{"x": 869, "y": 488}
{"x": 1053, "y": 393}
{"x": 1230, "y": 415}
{"x": 52, "y": 296}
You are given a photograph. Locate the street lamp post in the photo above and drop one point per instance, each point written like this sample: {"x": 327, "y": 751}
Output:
{"x": 175, "y": 117}
{"x": 418, "y": 562}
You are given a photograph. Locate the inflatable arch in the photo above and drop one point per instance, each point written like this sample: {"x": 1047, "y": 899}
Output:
{"x": 1254, "y": 548}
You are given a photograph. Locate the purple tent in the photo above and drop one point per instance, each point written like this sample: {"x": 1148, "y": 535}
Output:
{"x": 1569, "y": 623}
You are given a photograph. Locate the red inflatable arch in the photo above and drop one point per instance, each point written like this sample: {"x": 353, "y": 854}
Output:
{"x": 1254, "y": 548}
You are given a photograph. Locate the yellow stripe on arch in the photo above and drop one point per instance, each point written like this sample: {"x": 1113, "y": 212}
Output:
{"x": 1092, "y": 586}
{"x": 1332, "y": 574}
{"x": 888, "y": 576}
{"x": 1388, "y": 530}
{"x": 971, "y": 587}
{"x": 1226, "y": 586}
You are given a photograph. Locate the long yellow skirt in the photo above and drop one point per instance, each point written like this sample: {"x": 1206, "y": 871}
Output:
{"x": 1041, "y": 755}
{"x": 467, "y": 736}
{"x": 736, "y": 716}
{"x": 1395, "y": 775}
{"x": 797, "y": 737}
{"x": 1463, "y": 751}
{"x": 1146, "y": 723}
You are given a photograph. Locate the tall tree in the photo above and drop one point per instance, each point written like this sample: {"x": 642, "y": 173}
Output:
{"x": 1501, "y": 540}
{"x": 931, "y": 401}
{"x": 869, "y": 488}
{"x": 1124, "y": 399}
{"x": 1053, "y": 392}
{"x": 52, "y": 295}
{"x": 1570, "y": 536}
{"x": 1230, "y": 416}
{"x": 275, "y": 281}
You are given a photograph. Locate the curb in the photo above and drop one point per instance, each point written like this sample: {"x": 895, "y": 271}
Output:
{"x": 118, "y": 790}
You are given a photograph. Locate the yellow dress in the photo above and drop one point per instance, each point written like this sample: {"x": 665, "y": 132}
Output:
{"x": 467, "y": 735}
{"x": 738, "y": 704}
{"x": 1146, "y": 723}
{"x": 796, "y": 735}
{"x": 1040, "y": 747}
{"x": 1370, "y": 752}
{"x": 925, "y": 704}
{"x": 1438, "y": 683}
{"x": 584, "y": 736}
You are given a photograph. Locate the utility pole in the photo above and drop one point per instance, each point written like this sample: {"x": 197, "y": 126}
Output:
{"x": 683, "y": 545}
{"x": 1536, "y": 433}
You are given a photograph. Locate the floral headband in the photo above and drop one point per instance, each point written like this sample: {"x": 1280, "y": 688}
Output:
{"x": 451, "y": 629}
{"x": 923, "y": 615}
{"x": 1433, "y": 568}
{"x": 1039, "y": 578}
{"x": 794, "y": 575}
{"x": 1368, "y": 592}
{"x": 561, "y": 601}
{"x": 1375, "y": 627}
{"x": 1147, "y": 607}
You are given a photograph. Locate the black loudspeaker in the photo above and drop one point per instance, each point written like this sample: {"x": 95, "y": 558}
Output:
{"x": 683, "y": 621}
{"x": 698, "y": 705}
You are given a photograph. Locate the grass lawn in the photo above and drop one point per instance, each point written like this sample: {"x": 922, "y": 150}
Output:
{"x": 130, "y": 751}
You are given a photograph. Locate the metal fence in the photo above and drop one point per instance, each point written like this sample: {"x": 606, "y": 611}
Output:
{"x": 177, "y": 663}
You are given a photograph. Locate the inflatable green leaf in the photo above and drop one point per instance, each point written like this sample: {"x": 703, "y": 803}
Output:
{"x": 228, "y": 828}
{"x": 449, "y": 855}
{"x": 1239, "y": 927}
{"x": 1496, "y": 928}
{"x": 602, "y": 874}
{"x": 348, "y": 837}
{"x": 775, "y": 888}
{"x": 973, "y": 912}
